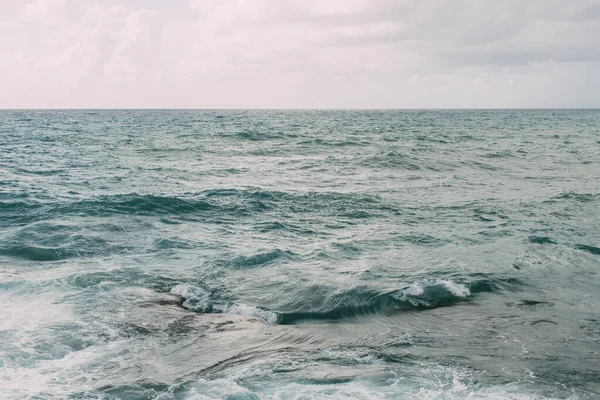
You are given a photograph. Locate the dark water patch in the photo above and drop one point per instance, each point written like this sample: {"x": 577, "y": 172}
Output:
{"x": 257, "y": 135}
{"x": 53, "y": 243}
{"x": 590, "y": 326}
{"x": 347, "y": 247}
{"x": 215, "y": 204}
{"x": 351, "y": 205}
{"x": 34, "y": 253}
{"x": 498, "y": 154}
{"x": 141, "y": 205}
{"x": 494, "y": 233}
{"x": 169, "y": 221}
{"x": 528, "y": 304}
{"x": 40, "y": 172}
{"x": 489, "y": 215}
{"x": 422, "y": 240}
{"x": 10, "y": 209}
{"x": 228, "y": 171}
{"x": 326, "y": 380}
{"x": 17, "y": 213}
{"x": 330, "y": 143}
{"x": 391, "y": 159}
{"x": 259, "y": 260}
{"x": 358, "y": 214}
{"x": 590, "y": 249}
{"x": 542, "y": 321}
{"x": 173, "y": 243}
{"x": 541, "y": 240}
{"x": 432, "y": 138}
{"x": 486, "y": 284}
{"x": 275, "y": 226}
{"x": 483, "y": 166}
{"x": 574, "y": 196}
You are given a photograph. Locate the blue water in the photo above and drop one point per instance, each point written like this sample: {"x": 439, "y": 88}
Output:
{"x": 300, "y": 254}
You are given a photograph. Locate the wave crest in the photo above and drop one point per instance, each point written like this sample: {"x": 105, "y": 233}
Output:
{"x": 420, "y": 295}
{"x": 199, "y": 300}
{"x": 323, "y": 303}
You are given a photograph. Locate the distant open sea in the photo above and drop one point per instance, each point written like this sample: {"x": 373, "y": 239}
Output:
{"x": 238, "y": 255}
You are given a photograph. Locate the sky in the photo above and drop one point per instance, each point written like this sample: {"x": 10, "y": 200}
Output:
{"x": 299, "y": 54}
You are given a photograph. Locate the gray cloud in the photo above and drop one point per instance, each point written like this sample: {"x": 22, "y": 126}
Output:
{"x": 269, "y": 53}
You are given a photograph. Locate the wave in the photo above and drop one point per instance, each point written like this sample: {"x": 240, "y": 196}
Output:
{"x": 259, "y": 259}
{"x": 590, "y": 249}
{"x": 194, "y": 297}
{"x": 578, "y": 197}
{"x": 332, "y": 142}
{"x": 321, "y": 303}
{"x": 254, "y": 135}
{"x": 35, "y": 253}
{"x": 421, "y": 295}
{"x": 547, "y": 240}
{"x": 499, "y": 154}
{"x": 173, "y": 243}
{"x": 541, "y": 240}
{"x": 218, "y": 203}
{"x": 269, "y": 226}
{"x": 41, "y": 172}
{"x": 48, "y": 242}
{"x": 392, "y": 159}
{"x": 24, "y": 212}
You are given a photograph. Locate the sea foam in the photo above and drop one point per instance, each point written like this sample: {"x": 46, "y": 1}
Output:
{"x": 198, "y": 300}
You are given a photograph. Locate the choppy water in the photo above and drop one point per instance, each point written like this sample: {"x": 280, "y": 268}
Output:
{"x": 299, "y": 254}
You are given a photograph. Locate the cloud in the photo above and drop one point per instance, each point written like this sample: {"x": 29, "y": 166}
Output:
{"x": 285, "y": 53}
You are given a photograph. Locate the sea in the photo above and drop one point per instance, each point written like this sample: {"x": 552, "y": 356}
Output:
{"x": 299, "y": 254}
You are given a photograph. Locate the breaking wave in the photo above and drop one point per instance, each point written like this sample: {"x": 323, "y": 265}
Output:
{"x": 199, "y": 300}
{"x": 325, "y": 304}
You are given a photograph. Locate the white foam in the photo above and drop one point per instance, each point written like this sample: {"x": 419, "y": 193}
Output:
{"x": 411, "y": 294}
{"x": 269, "y": 317}
{"x": 57, "y": 378}
{"x": 417, "y": 289}
{"x": 426, "y": 382}
{"x": 30, "y": 312}
{"x": 196, "y": 299}
{"x": 414, "y": 290}
{"x": 456, "y": 289}
{"x": 225, "y": 388}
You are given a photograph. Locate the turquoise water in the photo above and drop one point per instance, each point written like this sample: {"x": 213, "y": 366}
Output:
{"x": 300, "y": 254}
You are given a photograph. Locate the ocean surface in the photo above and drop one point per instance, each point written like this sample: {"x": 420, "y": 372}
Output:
{"x": 300, "y": 254}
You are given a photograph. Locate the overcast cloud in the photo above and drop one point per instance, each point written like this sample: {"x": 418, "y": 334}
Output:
{"x": 299, "y": 54}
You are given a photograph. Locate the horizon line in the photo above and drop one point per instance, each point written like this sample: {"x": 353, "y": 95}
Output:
{"x": 300, "y": 109}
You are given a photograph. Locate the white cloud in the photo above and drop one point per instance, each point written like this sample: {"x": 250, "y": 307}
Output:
{"x": 285, "y": 53}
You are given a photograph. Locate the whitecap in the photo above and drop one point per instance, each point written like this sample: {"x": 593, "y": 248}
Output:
{"x": 195, "y": 298}
{"x": 456, "y": 289}
{"x": 268, "y": 316}
{"x": 198, "y": 299}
